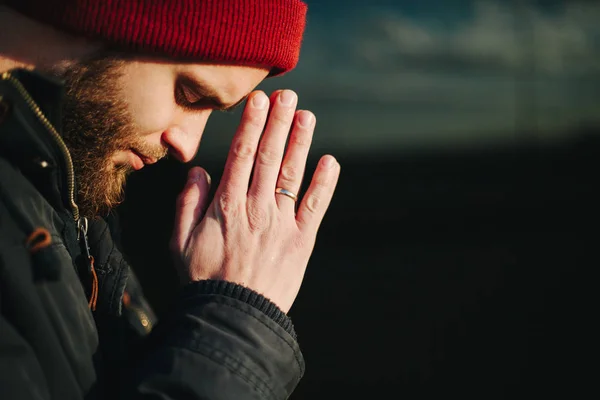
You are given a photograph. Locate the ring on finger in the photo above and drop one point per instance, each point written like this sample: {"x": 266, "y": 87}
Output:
{"x": 287, "y": 193}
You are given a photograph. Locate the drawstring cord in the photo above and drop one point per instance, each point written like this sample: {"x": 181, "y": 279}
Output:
{"x": 94, "y": 295}
{"x": 82, "y": 225}
{"x": 38, "y": 240}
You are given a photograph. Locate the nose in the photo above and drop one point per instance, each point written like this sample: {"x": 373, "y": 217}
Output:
{"x": 183, "y": 138}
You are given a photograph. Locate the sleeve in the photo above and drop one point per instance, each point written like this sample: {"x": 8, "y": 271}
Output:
{"x": 21, "y": 376}
{"x": 219, "y": 341}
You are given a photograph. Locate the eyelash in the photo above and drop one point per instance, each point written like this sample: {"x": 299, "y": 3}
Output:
{"x": 181, "y": 99}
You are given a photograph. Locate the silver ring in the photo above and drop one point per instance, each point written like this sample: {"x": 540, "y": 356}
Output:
{"x": 287, "y": 193}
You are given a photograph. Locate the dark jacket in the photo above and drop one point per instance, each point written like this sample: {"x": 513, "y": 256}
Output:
{"x": 75, "y": 325}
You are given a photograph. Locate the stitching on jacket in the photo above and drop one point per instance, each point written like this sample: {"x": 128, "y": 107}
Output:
{"x": 104, "y": 266}
{"x": 57, "y": 242}
{"x": 63, "y": 235}
{"x": 234, "y": 366}
{"x": 115, "y": 285}
{"x": 222, "y": 301}
{"x": 105, "y": 228}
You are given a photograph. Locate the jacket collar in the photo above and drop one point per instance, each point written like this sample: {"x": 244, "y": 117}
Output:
{"x": 30, "y": 129}
{"x": 46, "y": 91}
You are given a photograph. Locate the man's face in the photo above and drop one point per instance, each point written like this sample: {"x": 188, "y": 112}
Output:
{"x": 122, "y": 114}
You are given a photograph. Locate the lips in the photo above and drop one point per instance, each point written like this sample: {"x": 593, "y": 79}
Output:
{"x": 145, "y": 160}
{"x": 135, "y": 160}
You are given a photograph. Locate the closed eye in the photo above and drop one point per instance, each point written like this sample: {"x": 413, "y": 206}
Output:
{"x": 195, "y": 96}
{"x": 185, "y": 98}
{"x": 189, "y": 99}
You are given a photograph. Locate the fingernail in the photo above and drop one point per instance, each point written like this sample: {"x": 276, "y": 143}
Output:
{"x": 208, "y": 179}
{"x": 328, "y": 161}
{"x": 259, "y": 100}
{"x": 287, "y": 97}
{"x": 305, "y": 119}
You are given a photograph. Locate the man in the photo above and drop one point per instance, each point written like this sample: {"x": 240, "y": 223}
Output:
{"x": 91, "y": 90}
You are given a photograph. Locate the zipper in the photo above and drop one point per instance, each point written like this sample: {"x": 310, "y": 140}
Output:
{"x": 6, "y": 76}
{"x": 82, "y": 224}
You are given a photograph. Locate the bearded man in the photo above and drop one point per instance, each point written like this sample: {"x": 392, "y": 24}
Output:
{"x": 92, "y": 90}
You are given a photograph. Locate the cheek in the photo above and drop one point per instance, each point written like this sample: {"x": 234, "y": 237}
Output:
{"x": 149, "y": 117}
{"x": 151, "y": 104}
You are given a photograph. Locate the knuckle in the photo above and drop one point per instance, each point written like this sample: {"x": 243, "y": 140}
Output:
{"x": 290, "y": 173}
{"x": 258, "y": 219}
{"x": 301, "y": 139}
{"x": 253, "y": 121}
{"x": 268, "y": 156}
{"x": 242, "y": 150}
{"x": 227, "y": 207}
{"x": 281, "y": 117}
{"x": 313, "y": 202}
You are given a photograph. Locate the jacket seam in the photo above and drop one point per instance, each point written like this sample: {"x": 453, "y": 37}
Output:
{"x": 291, "y": 345}
{"x": 119, "y": 273}
{"x": 14, "y": 212}
{"x": 116, "y": 284}
{"x": 233, "y": 365}
{"x": 104, "y": 264}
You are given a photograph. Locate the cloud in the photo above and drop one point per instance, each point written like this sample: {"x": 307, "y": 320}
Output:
{"x": 383, "y": 80}
{"x": 496, "y": 37}
{"x": 390, "y": 59}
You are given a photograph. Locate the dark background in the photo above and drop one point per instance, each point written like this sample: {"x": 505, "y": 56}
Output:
{"x": 454, "y": 261}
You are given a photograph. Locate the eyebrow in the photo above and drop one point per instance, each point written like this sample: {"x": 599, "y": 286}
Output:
{"x": 209, "y": 95}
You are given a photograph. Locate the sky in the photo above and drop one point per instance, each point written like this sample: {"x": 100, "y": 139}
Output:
{"x": 409, "y": 75}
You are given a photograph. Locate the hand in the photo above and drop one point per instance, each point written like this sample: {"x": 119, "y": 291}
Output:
{"x": 249, "y": 234}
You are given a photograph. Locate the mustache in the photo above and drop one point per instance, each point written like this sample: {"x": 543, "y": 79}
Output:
{"x": 150, "y": 152}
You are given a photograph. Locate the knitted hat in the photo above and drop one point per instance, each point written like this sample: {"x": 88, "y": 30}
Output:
{"x": 267, "y": 32}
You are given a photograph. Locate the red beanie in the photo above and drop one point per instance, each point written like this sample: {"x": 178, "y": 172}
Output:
{"x": 267, "y": 32}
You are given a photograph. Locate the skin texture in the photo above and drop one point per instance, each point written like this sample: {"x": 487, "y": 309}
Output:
{"x": 122, "y": 112}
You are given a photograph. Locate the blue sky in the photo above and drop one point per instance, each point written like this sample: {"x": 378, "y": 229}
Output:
{"x": 407, "y": 75}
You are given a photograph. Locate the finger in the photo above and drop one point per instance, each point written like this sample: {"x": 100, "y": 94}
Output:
{"x": 294, "y": 161}
{"x": 272, "y": 145}
{"x": 191, "y": 206}
{"x": 238, "y": 167}
{"x": 318, "y": 196}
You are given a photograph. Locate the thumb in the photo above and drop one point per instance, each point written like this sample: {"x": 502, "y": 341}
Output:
{"x": 190, "y": 208}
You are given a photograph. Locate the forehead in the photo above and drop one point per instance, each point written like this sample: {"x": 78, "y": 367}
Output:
{"x": 226, "y": 77}
{"x": 228, "y": 82}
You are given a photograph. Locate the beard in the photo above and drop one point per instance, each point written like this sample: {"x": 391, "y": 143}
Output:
{"x": 97, "y": 123}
